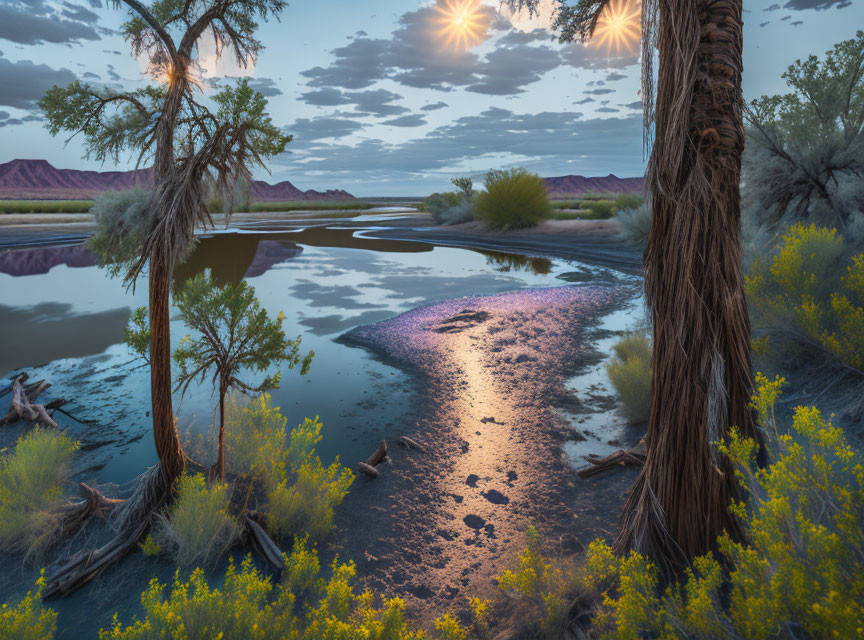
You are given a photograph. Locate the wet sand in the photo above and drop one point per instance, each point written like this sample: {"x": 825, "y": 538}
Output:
{"x": 490, "y": 373}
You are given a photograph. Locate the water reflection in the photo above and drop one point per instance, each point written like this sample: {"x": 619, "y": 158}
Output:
{"x": 517, "y": 262}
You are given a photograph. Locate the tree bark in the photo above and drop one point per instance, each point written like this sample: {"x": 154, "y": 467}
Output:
{"x": 220, "y": 456}
{"x": 694, "y": 288}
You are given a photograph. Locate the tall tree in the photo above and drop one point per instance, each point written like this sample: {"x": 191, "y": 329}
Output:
{"x": 190, "y": 145}
{"x": 693, "y": 280}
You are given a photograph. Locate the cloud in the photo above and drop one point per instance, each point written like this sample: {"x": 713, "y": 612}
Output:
{"x": 377, "y": 102}
{"x": 434, "y": 106}
{"x": 414, "y": 120}
{"x": 612, "y": 77}
{"x": 7, "y": 121}
{"x": 599, "y": 92}
{"x": 633, "y": 105}
{"x": 762, "y": 24}
{"x": 797, "y": 23}
{"x": 34, "y": 22}
{"x": 23, "y": 83}
{"x": 773, "y": 7}
{"x": 585, "y": 100}
{"x": 608, "y": 110}
{"x": 496, "y": 137}
{"x": 265, "y": 86}
{"x": 90, "y": 75}
{"x": 819, "y": 5}
{"x": 416, "y": 55}
{"x": 306, "y": 129}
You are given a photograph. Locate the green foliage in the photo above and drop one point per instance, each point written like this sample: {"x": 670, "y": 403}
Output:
{"x": 513, "y": 199}
{"x": 802, "y": 287}
{"x": 803, "y": 567}
{"x": 629, "y": 371}
{"x": 150, "y": 547}
{"x": 465, "y": 185}
{"x": 197, "y": 528}
{"x": 804, "y": 154}
{"x": 301, "y": 493}
{"x": 234, "y": 333}
{"x": 136, "y": 334}
{"x": 28, "y": 619}
{"x": 540, "y": 581}
{"x": 30, "y": 488}
{"x": 451, "y": 207}
{"x": 123, "y": 220}
{"x": 45, "y": 206}
{"x": 635, "y": 223}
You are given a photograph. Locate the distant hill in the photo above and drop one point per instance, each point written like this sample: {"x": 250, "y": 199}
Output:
{"x": 39, "y": 180}
{"x": 566, "y": 186}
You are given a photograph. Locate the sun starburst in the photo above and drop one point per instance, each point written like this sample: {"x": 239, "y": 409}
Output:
{"x": 462, "y": 23}
{"x": 618, "y": 27}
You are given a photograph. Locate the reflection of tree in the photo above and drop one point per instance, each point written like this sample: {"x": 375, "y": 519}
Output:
{"x": 227, "y": 256}
{"x": 518, "y": 262}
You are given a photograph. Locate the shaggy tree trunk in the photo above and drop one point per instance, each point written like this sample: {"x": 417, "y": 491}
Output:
{"x": 693, "y": 284}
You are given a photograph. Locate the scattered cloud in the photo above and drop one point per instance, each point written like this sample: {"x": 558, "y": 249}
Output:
{"x": 306, "y": 129}
{"x": 31, "y": 22}
{"x": 413, "y": 120}
{"x": 434, "y": 106}
{"x": 802, "y": 5}
{"x": 599, "y": 92}
{"x": 23, "y": 83}
{"x": 377, "y": 102}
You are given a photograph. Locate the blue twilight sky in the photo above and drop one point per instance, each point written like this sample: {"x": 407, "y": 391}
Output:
{"x": 380, "y": 104}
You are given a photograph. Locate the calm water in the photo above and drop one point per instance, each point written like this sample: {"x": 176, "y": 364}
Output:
{"x": 62, "y": 319}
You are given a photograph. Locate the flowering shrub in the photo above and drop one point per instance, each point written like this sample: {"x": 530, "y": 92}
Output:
{"x": 803, "y": 567}
{"x": 804, "y": 288}
{"x": 28, "y": 619}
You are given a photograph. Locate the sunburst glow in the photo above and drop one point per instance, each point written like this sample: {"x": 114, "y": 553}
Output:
{"x": 462, "y": 23}
{"x": 618, "y": 27}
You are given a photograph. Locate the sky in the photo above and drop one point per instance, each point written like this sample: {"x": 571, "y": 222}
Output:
{"x": 381, "y": 100}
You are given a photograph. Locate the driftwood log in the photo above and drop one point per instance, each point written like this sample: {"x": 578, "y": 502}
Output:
{"x": 378, "y": 456}
{"x": 93, "y": 503}
{"x": 621, "y": 458}
{"x": 23, "y": 406}
{"x": 412, "y": 444}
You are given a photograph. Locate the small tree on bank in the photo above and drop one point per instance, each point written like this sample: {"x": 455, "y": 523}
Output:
{"x": 191, "y": 145}
{"x": 234, "y": 334}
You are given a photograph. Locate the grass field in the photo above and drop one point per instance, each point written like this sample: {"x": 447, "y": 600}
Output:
{"x": 83, "y": 206}
{"x": 45, "y": 206}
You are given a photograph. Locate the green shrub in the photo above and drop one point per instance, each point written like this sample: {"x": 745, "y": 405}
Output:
{"x": 449, "y": 208}
{"x": 629, "y": 370}
{"x": 803, "y": 568}
{"x": 30, "y": 488}
{"x": 513, "y": 199}
{"x": 301, "y": 493}
{"x": 28, "y": 619}
{"x": 635, "y": 223}
{"x": 803, "y": 287}
{"x": 542, "y": 582}
{"x": 304, "y": 505}
{"x": 197, "y": 528}
{"x": 45, "y": 206}
{"x": 122, "y": 223}
{"x": 624, "y": 201}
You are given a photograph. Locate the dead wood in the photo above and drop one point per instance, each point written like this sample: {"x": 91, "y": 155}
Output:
{"x": 412, "y": 444}
{"x": 369, "y": 470}
{"x": 132, "y": 518}
{"x": 23, "y": 407}
{"x": 378, "y": 456}
{"x": 264, "y": 545}
{"x": 621, "y": 458}
{"x": 93, "y": 503}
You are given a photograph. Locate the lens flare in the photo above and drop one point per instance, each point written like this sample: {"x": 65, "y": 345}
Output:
{"x": 462, "y": 23}
{"x": 618, "y": 27}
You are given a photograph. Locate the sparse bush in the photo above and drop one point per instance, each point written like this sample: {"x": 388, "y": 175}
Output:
{"x": 28, "y": 619}
{"x": 239, "y": 198}
{"x": 30, "y": 488}
{"x": 197, "y": 528}
{"x": 624, "y": 201}
{"x": 635, "y": 223}
{"x": 803, "y": 568}
{"x": 629, "y": 371}
{"x": 451, "y": 207}
{"x": 513, "y": 199}
{"x": 123, "y": 220}
{"x": 542, "y": 582}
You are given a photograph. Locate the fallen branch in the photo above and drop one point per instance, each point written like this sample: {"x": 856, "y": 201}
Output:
{"x": 378, "y": 456}
{"x": 94, "y": 503}
{"x": 22, "y": 403}
{"x": 621, "y": 458}
{"x": 369, "y": 470}
{"x": 412, "y": 444}
{"x": 265, "y": 546}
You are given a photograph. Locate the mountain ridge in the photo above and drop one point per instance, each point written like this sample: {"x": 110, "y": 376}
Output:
{"x": 36, "y": 179}
{"x": 573, "y": 185}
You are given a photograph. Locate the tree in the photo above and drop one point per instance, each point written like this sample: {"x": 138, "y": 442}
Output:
{"x": 191, "y": 146}
{"x": 693, "y": 280}
{"x": 234, "y": 333}
{"x": 804, "y": 157}
{"x": 465, "y": 185}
